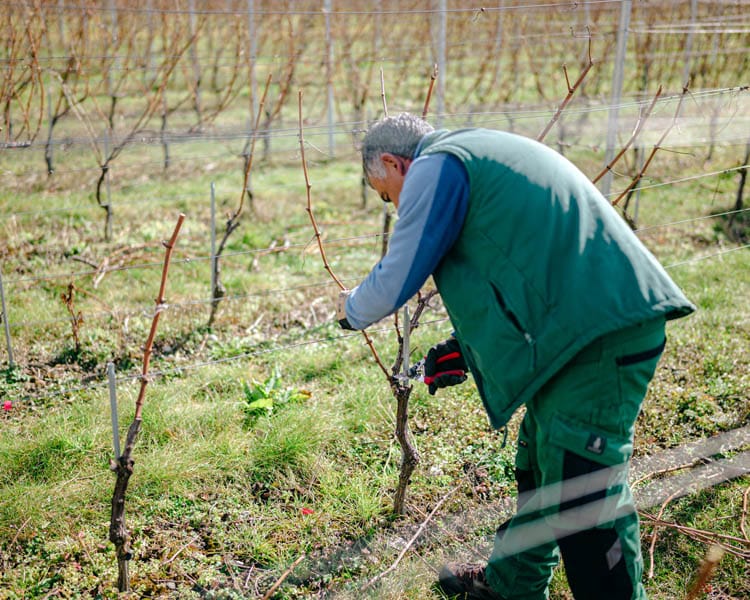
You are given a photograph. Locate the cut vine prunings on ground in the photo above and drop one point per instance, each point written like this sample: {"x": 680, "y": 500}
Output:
{"x": 743, "y": 519}
{"x": 654, "y": 150}
{"x": 284, "y": 575}
{"x": 123, "y": 465}
{"x": 571, "y": 91}
{"x": 410, "y": 543}
{"x": 667, "y": 470}
{"x": 636, "y": 131}
{"x": 706, "y": 570}
{"x": 734, "y": 545}
{"x": 653, "y": 533}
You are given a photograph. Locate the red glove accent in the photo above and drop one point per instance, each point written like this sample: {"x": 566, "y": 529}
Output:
{"x": 444, "y": 365}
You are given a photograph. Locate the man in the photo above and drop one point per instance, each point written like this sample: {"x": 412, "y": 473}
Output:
{"x": 555, "y": 304}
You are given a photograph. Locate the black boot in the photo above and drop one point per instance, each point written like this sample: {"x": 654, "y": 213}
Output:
{"x": 466, "y": 581}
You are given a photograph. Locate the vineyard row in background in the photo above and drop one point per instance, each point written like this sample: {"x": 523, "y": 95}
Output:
{"x": 94, "y": 71}
{"x": 106, "y": 103}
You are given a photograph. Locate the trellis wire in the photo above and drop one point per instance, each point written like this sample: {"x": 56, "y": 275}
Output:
{"x": 142, "y": 312}
{"x": 330, "y": 339}
{"x": 535, "y": 6}
{"x": 323, "y": 284}
{"x": 290, "y": 247}
{"x": 219, "y": 361}
{"x": 345, "y": 127}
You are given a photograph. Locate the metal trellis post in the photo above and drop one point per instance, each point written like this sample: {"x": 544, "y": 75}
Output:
{"x": 327, "y": 8}
{"x": 113, "y": 409}
{"x": 689, "y": 42}
{"x": 622, "y": 41}
{"x": 6, "y": 324}
{"x": 406, "y": 349}
{"x": 213, "y": 241}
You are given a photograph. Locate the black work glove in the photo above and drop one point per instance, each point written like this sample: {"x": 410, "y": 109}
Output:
{"x": 444, "y": 365}
{"x": 341, "y": 310}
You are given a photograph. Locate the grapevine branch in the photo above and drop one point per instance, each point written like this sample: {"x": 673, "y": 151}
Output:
{"x": 316, "y": 229}
{"x": 571, "y": 91}
{"x": 743, "y": 519}
{"x": 233, "y": 221}
{"x": 284, "y": 575}
{"x": 656, "y": 147}
{"x": 382, "y": 93}
{"x": 433, "y": 77}
{"x": 164, "y": 74}
{"x": 386, "y": 214}
{"x": 636, "y": 131}
{"x": 652, "y": 546}
{"x": 401, "y": 388}
{"x": 296, "y": 48}
{"x": 123, "y": 466}
{"x": 736, "y": 546}
{"x": 76, "y": 318}
{"x": 400, "y": 385}
{"x": 253, "y": 139}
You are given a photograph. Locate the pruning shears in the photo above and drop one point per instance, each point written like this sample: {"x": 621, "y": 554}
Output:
{"x": 416, "y": 372}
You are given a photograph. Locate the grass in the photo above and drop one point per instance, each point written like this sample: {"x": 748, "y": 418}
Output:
{"x": 269, "y": 435}
{"x": 226, "y": 491}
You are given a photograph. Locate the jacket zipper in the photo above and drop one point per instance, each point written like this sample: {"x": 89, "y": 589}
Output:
{"x": 512, "y": 317}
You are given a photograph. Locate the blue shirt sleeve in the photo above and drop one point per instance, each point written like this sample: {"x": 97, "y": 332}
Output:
{"x": 432, "y": 208}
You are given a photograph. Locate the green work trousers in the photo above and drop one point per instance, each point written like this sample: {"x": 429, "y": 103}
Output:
{"x": 574, "y": 448}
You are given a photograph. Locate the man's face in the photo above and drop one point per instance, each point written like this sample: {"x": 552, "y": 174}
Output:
{"x": 389, "y": 186}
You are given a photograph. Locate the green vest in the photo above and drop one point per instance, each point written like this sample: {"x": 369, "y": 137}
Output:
{"x": 543, "y": 265}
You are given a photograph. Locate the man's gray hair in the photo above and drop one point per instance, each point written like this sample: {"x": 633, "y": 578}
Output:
{"x": 399, "y": 135}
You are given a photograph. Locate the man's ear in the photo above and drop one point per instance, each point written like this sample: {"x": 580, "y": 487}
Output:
{"x": 396, "y": 162}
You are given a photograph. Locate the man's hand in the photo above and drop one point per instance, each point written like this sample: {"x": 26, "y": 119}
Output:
{"x": 341, "y": 309}
{"x": 444, "y": 365}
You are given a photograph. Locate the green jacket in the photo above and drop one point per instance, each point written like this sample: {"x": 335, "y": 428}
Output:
{"x": 543, "y": 265}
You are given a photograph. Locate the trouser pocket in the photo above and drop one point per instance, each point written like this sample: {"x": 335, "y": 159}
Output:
{"x": 586, "y": 475}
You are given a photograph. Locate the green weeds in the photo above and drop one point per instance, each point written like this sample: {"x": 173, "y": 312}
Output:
{"x": 263, "y": 398}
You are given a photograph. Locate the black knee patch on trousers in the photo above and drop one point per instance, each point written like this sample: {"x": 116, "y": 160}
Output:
{"x": 574, "y": 466}
{"x": 594, "y": 565}
{"x": 593, "y": 558}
